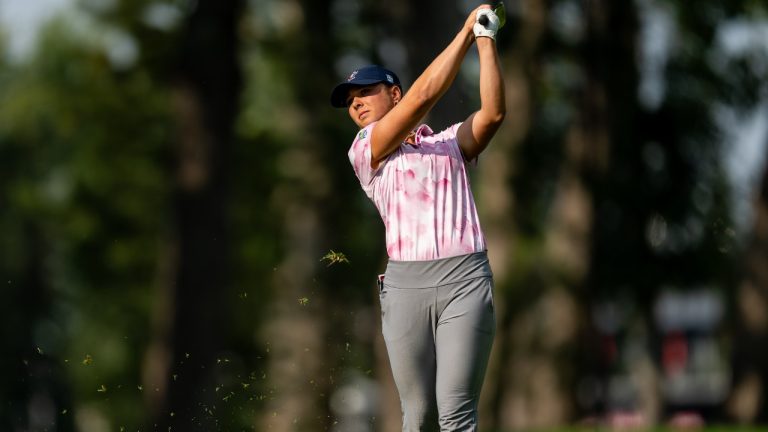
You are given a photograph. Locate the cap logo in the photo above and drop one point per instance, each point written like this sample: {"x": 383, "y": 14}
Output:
{"x": 390, "y": 79}
{"x": 352, "y": 76}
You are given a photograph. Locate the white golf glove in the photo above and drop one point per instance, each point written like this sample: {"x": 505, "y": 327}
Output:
{"x": 491, "y": 26}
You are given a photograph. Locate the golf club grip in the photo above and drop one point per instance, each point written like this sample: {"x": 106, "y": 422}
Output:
{"x": 483, "y": 20}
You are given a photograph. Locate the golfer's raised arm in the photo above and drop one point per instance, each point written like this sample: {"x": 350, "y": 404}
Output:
{"x": 478, "y": 129}
{"x": 392, "y": 129}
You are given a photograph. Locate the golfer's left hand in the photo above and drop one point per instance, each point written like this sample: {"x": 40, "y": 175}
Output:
{"x": 491, "y": 25}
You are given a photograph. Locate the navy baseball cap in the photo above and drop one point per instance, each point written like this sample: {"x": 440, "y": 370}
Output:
{"x": 367, "y": 75}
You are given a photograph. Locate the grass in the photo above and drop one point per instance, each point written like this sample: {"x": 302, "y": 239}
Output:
{"x": 714, "y": 428}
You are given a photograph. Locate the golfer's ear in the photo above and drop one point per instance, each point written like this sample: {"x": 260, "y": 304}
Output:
{"x": 397, "y": 94}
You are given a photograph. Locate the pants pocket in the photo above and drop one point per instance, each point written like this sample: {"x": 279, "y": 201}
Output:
{"x": 382, "y": 295}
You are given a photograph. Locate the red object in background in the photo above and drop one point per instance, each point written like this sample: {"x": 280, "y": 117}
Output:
{"x": 674, "y": 354}
{"x": 686, "y": 420}
{"x": 627, "y": 420}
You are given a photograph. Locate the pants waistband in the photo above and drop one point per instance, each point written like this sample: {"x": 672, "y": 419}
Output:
{"x": 432, "y": 273}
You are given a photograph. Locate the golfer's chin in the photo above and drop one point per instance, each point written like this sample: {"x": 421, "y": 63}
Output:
{"x": 365, "y": 120}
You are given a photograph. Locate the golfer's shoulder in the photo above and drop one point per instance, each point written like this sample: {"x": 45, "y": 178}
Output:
{"x": 362, "y": 139}
{"x": 446, "y": 135}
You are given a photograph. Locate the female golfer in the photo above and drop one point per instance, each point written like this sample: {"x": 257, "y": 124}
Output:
{"x": 436, "y": 294}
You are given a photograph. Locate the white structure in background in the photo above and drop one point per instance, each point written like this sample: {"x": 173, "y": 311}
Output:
{"x": 694, "y": 369}
{"x": 355, "y": 404}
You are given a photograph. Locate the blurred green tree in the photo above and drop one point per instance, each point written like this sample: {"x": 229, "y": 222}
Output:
{"x": 86, "y": 194}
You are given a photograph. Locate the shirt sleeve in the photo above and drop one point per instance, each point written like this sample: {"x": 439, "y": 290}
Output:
{"x": 360, "y": 156}
{"x": 450, "y": 135}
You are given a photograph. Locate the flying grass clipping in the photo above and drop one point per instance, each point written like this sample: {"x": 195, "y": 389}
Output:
{"x": 334, "y": 258}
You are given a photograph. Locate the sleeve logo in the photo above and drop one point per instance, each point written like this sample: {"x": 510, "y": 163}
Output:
{"x": 363, "y": 133}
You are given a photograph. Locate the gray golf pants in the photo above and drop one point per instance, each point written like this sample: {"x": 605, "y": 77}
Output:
{"x": 438, "y": 325}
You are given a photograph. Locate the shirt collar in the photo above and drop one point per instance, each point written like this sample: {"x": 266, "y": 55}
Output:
{"x": 415, "y": 137}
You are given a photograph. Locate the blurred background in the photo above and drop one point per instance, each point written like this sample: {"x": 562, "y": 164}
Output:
{"x": 186, "y": 247}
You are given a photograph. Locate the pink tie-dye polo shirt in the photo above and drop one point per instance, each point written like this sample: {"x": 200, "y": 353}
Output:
{"x": 422, "y": 193}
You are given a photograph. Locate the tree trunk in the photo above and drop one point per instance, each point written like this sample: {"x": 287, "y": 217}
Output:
{"x": 749, "y": 399}
{"x": 302, "y": 364}
{"x": 181, "y": 359}
{"x": 497, "y": 205}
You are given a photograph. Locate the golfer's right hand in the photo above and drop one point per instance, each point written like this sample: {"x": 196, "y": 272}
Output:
{"x": 491, "y": 23}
